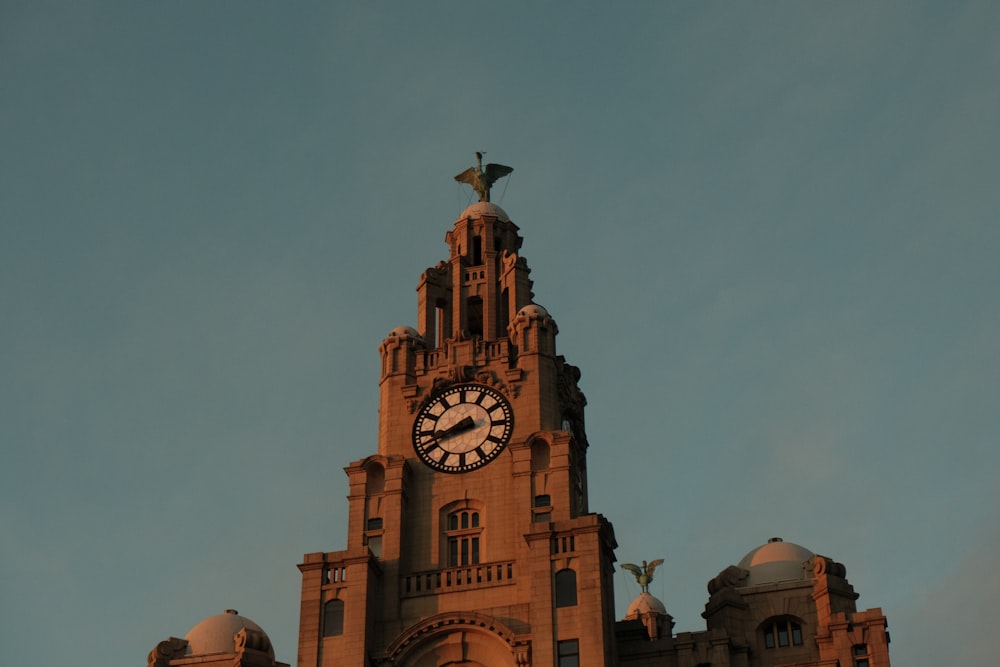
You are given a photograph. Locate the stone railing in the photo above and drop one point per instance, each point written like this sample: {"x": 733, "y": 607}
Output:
{"x": 466, "y": 577}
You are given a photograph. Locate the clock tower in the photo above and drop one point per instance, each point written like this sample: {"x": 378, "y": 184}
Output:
{"x": 470, "y": 541}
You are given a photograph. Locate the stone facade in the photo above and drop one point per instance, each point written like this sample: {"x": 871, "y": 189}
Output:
{"x": 470, "y": 537}
{"x": 781, "y": 606}
{"x": 447, "y": 567}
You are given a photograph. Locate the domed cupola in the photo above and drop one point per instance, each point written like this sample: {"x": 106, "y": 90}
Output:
{"x": 227, "y": 632}
{"x": 533, "y": 330}
{"x": 647, "y": 608}
{"x": 777, "y": 561}
{"x": 223, "y": 640}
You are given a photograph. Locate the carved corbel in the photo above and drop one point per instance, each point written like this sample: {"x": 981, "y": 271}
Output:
{"x": 166, "y": 651}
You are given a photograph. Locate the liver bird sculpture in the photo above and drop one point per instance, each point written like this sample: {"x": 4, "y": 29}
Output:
{"x": 644, "y": 574}
{"x": 481, "y": 179}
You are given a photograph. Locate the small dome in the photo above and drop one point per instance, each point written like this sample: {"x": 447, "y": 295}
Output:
{"x": 777, "y": 561}
{"x": 644, "y": 604}
{"x": 217, "y": 634}
{"x": 404, "y": 331}
{"x": 479, "y": 209}
{"x": 533, "y": 310}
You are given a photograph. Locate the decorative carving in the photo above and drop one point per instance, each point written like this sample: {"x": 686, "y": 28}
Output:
{"x": 456, "y": 621}
{"x": 166, "y": 651}
{"x": 573, "y": 401}
{"x": 458, "y": 375}
{"x": 481, "y": 179}
{"x": 827, "y": 566}
{"x": 253, "y": 641}
{"x": 731, "y": 577}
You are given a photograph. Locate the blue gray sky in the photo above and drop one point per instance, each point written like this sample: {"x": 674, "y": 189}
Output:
{"x": 768, "y": 233}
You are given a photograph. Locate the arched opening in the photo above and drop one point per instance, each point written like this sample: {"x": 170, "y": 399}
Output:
{"x": 565, "y": 581}
{"x": 333, "y": 618}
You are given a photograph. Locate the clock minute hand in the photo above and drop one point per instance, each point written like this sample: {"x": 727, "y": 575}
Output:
{"x": 458, "y": 426}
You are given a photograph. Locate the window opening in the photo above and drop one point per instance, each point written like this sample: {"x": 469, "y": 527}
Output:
{"x": 474, "y": 315}
{"x": 566, "y": 588}
{"x": 860, "y": 653}
{"x": 782, "y": 633}
{"x": 463, "y": 538}
{"x": 542, "y": 508}
{"x": 569, "y": 653}
{"x": 333, "y": 618}
{"x": 477, "y": 250}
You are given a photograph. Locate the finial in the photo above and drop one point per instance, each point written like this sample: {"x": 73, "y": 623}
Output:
{"x": 482, "y": 179}
{"x": 644, "y": 574}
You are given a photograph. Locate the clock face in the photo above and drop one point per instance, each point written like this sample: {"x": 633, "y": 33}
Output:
{"x": 463, "y": 428}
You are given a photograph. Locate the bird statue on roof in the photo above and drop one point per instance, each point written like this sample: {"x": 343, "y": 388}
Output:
{"x": 481, "y": 179}
{"x": 644, "y": 574}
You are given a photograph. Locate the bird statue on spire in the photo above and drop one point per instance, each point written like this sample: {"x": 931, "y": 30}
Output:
{"x": 481, "y": 179}
{"x": 644, "y": 574}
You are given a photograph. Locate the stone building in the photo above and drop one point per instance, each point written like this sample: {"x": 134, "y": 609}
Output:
{"x": 471, "y": 541}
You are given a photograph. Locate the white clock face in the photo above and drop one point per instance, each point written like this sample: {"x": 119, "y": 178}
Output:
{"x": 463, "y": 428}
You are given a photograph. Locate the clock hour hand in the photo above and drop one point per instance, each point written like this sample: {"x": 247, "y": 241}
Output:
{"x": 457, "y": 427}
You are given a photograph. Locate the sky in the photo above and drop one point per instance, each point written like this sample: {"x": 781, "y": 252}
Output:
{"x": 768, "y": 233}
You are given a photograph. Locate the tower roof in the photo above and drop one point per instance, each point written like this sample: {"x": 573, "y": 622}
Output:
{"x": 645, "y": 604}
{"x": 481, "y": 208}
{"x": 217, "y": 634}
{"x": 777, "y": 561}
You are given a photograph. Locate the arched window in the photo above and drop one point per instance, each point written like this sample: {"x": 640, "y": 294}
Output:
{"x": 333, "y": 618}
{"x": 566, "y": 588}
{"x": 463, "y": 536}
{"x": 782, "y": 633}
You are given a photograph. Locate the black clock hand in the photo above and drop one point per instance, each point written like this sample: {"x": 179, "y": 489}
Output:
{"x": 461, "y": 425}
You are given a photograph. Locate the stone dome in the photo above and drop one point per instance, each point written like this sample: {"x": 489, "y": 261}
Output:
{"x": 479, "y": 209}
{"x": 217, "y": 634}
{"x": 404, "y": 331}
{"x": 533, "y": 310}
{"x": 644, "y": 604}
{"x": 777, "y": 561}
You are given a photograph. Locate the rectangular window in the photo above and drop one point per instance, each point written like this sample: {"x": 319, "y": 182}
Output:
{"x": 569, "y": 653}
{"x": 782, "y": 634}
{"x": 333, "y": 618}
